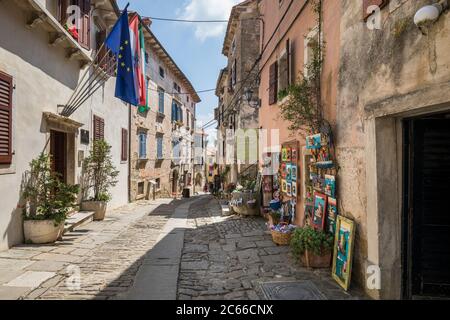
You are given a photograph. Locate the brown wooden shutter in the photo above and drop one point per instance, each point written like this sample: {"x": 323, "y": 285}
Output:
{"x": 99, "y": 128}
{"x": 124, "y": 145}
{"x": 368, "y": 3}
{"x": 85, "y": 28}
{"x": 6, "y": 88}
{"x": 273, "y": 82}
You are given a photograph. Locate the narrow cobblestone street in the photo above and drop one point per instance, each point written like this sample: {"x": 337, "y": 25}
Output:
{"x": 219, "y": 258}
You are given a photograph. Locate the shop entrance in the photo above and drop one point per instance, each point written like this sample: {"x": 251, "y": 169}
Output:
{"x": 58, "y": 151}
{"x": 426, "y": 223}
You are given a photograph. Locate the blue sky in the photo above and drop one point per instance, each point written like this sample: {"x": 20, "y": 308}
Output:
{"x": 196, "y": 48}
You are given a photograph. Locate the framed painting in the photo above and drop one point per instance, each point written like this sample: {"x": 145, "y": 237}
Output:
{"x": 314, "y": 142}
{"x": 284, "y": 154}
{"x": 343, "y": 251}
{"x": 294, "y": 155}
{"x": 309, "y": 195}
{"x": 283, "y": 170}
{"x": 288, "y": 172}
{"x": 288, "y": 154}
{"x": 294, "y": 172}
{"x": 289, "y": 189}
{"x": 330, "y": 186}
{"x": 283, "y": 186}
{"x": 294, "y": 189}
{"x": 332, "y": 212}
{"x": 320, "y": 207}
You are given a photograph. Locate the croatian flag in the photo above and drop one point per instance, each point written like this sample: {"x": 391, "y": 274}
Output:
{"x": 138, "y": 49}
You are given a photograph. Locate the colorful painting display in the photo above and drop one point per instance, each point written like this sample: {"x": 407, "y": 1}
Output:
{"x": 332, "y": 212}
{"x": 343, "y": 251}
{"x": 320, "y": 207}
{"x": 314, "y": 142}
{"x": 309, "y": 195}
{"x": 330, "y": 186}
{"x": 288, "y": 172}
{"x": 294, "y": 155}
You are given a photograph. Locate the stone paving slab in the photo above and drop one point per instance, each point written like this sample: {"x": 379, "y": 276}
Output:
{"x": 106, "y": 254}
{"x": 231, "y": 257}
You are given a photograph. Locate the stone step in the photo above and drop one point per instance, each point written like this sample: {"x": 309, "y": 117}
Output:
{"x": 77, "y": 219}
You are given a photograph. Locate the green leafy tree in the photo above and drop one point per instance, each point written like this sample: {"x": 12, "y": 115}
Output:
{"x": 47, "y": 198}
{"x": 99, "y": 173}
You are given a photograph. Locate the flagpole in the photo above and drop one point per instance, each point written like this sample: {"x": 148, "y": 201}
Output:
{"x": 97, "y": 86}
{"x": 83, "y": 90}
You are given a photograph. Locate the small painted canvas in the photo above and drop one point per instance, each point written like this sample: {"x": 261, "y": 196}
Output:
{"x": 289, "y": 189}
{"x": 288, "y": 154}
{"x": 332, "y": 212}
{"x": 320, "y": 207}
{"x": 289, "y": 172}
{"x": 284, "y": 154}
{"x": 330, "y": 186}
{"x": 343, "y": 251}
{"x": 294, "y": 189}
{"x": 294, "y": 155}
{"x": 283, "y": 170}
{"x": 314, "y": 142}
{"x": 294, "y": 172}
{"x": 283, "y": 186}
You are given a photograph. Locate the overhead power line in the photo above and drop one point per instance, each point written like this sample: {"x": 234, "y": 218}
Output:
{"x": 188, "y": 21}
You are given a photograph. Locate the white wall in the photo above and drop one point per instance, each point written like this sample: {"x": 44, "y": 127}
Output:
{"x": 44, "y": 78}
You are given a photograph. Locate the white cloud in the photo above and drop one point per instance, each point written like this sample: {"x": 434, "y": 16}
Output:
{"x": 208, "y": 10}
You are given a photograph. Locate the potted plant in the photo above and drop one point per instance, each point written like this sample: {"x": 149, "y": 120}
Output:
{"x": 99, "y": 176}
{"x": 274, "y": 217}
{"x": 48, "y": 201}
{"x": 313, "y": 247}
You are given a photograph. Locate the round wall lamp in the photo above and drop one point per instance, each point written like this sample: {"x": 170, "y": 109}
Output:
{"x": 427, "y": 15}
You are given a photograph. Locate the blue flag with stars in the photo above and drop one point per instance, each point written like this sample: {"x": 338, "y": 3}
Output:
{"x": 119, "y": 43}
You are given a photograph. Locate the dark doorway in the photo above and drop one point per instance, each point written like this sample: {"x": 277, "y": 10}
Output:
{"x": 175, "y": 178}
{"x": 58, "y": 151}
{"x": 426, "y": 225}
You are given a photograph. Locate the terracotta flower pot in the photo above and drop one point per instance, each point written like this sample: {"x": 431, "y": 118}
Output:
{"x": 42, "y": 231}
{"x": 310, "y": 260}
{"x": 99, "y": 207}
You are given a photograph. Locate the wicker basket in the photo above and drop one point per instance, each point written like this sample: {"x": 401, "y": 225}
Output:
{"x": 281, "y": 239}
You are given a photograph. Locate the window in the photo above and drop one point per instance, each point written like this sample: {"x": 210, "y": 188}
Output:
{"x": 162, "y": 72}
{"x": 159, "y": 148}
{"x": 158, "y": 184}
{"x": 187, "y": 119}
{"x": 176, "y": 87}
{"x": 6, "y": 89}
{"x": 82, "y": 34}
{"x": 141, "y": 188}
{"x": 105, "y": 58}
{"x": 187, "y": 99}
{"x": 273, "y": 83}
{"x": 147, "y": 58}
{"x": 284, "y": 69}
{"x": 161, "y": 95}
{"x": 124, "y": 154}
{"x": 99, "y": 128}
{"x": 311, "y": 43}
{"x": 234, "y": 74}
{"x": 142, "y": 145}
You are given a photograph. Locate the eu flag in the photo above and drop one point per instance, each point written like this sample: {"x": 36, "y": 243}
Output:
{"x": 119, "y": 43}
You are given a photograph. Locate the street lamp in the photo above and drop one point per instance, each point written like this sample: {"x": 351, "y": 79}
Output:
{"x": 427, "y": 15}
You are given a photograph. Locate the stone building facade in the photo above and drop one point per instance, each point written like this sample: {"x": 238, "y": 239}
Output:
{"x": 162, "y": 137}
{"x": 241, "y": 48}
{"x": 392, "y": 144}
{"x": 40, "y": 67}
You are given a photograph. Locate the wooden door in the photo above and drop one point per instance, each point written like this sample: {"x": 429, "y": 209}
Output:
{"x": 58, "y": 151}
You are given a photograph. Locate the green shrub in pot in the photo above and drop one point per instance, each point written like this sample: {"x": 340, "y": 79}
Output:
{"x": 310, "y": 240}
